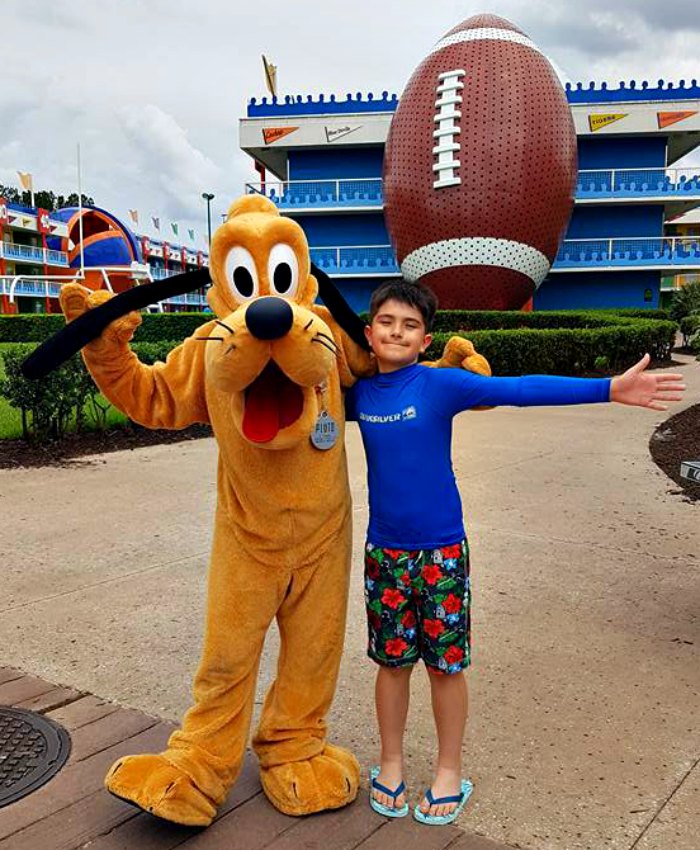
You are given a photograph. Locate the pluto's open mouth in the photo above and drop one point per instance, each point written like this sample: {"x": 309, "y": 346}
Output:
{"x": 272, "y": 402}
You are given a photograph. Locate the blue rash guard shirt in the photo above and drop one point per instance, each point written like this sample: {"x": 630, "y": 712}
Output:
{"x": 405, "y": 419}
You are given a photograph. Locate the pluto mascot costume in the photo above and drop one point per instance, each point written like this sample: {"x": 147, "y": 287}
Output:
{"x": 268, "y": 374}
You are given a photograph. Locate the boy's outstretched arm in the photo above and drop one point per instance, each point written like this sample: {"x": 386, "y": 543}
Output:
{"x": 455, "y": 390}
{"x": 640, "y": 389}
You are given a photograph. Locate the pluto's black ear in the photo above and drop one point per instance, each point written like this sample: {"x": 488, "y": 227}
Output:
{"x": 339, "y": 308}
{"x": 69, "y": 340}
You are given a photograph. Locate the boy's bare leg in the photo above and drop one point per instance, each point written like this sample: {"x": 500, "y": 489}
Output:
{"x": 450, "y": 704}
{"x": 392, "y": 690}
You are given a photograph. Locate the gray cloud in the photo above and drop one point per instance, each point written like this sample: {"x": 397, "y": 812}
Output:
{"x": 168, "y": 162}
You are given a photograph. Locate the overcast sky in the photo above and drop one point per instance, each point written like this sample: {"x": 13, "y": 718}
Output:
{"x": 153, "y": 89}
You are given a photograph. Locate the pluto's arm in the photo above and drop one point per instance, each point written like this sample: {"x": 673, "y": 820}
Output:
{"x": 459, "y": 353}
{"x": 165, "y": 395}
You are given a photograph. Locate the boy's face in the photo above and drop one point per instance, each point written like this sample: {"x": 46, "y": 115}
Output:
{"x": 397, "y": 335}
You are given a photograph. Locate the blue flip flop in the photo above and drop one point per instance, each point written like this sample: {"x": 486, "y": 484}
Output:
{"x": 380, "y": 808}
{"x": 441, "y": 820}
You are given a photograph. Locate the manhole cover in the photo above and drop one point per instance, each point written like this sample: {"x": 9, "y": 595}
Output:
{"x": 32, "y": 750}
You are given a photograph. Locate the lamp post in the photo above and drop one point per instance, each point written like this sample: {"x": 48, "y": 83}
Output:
{"x": 208, "y": 197}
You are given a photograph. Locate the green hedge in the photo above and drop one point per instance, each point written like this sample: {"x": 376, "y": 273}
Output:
{"x": 567, "y": 351}
{"x": 458, "y": 320}
{"x": 155, "y": 327}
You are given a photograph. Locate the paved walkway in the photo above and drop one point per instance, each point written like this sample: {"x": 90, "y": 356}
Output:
{"x": 585, "y": 717}
{"x": 73, "y": 811}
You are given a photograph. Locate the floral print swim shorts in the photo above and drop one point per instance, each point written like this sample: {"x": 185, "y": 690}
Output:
{"x": 418, "y": 606}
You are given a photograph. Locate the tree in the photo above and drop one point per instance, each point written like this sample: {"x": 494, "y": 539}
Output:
{"x": 44, "y": 198}
{"x": 686, "y": 301}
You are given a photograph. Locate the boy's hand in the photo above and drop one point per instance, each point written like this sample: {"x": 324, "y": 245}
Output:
{"x": 643, "y": 390}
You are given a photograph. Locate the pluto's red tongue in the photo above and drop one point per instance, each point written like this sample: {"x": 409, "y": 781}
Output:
{"x": 272, "y": 402}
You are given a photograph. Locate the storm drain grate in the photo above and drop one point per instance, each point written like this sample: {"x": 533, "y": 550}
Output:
{"x": 32, "y": 750}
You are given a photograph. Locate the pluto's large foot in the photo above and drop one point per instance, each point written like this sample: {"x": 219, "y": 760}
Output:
{"x": 155, "y": 785}
{"x": 326, "y": 781}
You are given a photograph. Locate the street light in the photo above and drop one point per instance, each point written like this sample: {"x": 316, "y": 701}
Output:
{"x": 208, "y": 197}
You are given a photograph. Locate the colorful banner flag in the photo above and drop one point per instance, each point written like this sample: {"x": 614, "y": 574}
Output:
{"x": 174, "y": 226}
{"x": 335, "y": 133}
{"x": 134, "y": 216}
{"x": 191, "y": 233}
{"x": 665, "y": 119}
{"x": 274, "y": 134}
{"x": 598, "y": 121}
{"x": 27, "y": 181}
{"x": 156, "y": 222}
{"x": 270, "y": 76}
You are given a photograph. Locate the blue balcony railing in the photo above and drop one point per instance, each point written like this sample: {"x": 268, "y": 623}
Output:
{"x": 638, "y": 182}
{"x": 158, "y": 273}
{"x": 592, "y": 184}
{"x": 356, "y": 260}
{"x": 321, "y": 194}
{"x": 192, "y": 299}
{"x": 32, "y": 254}
{"x": 651, "y": 251}
{"x": 29, "y": 288}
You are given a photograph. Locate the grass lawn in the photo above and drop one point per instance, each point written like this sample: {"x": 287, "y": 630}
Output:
{"x": 11, "y": 419}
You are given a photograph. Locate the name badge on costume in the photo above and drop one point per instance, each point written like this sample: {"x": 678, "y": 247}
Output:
{"x": 325, "y": 433}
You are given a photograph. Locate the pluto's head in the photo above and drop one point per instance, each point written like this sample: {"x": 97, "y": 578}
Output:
{"x": 272, "y": 351}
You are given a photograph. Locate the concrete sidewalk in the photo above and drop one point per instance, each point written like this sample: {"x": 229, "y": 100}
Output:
{"x": 585, "y": 716}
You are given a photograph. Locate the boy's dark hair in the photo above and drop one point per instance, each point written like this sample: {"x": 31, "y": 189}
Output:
{"x": 416, "y": 295}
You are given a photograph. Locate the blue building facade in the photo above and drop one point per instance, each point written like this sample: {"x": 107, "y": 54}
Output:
{"x": 320, "y": 160}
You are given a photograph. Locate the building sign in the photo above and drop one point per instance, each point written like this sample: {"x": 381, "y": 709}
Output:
{"x": 200, "y": 259}
{"x": 145, "y": 246}
{"x": 42, "y": 221}
{"x": 183, "y": 256}
{"x": 274, "y": 134}
{"x": 3, "y": 213}
{"x": 335, "y": 133}
{"x": 166, "y": 251}
{"x": 598, "y": 121}
{"x": 665, "y": 119}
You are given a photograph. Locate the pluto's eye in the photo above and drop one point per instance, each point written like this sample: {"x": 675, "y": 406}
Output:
{"x": 241, "y": 273}
{"x": 283, "y": 270}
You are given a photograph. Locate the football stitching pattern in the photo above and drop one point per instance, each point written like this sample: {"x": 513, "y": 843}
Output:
{"x": 448, "y": 129}
{"x": 485, "y": 34}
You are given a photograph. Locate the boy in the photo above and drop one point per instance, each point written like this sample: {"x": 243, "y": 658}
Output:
{"x": 417, "y": 559}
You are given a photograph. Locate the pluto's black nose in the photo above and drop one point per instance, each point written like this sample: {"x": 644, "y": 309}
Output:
{"x": 269, "y": 318}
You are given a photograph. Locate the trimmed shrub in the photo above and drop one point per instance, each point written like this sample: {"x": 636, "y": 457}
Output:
{"x": 155, "y": 327}
{"x": 689, "y": 326}
{"x": 32, "y": 327}
{"x": 566, "y": 351}
{"x": 57, "y": 403}
{"x": 47, "y": 406}
{"x": 162, "y": 327}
